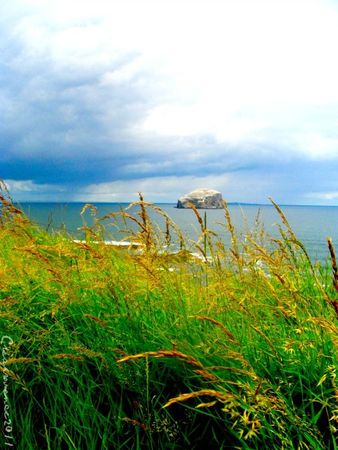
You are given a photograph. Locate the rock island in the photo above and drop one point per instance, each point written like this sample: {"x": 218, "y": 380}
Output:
{"x": 201, "y": 199}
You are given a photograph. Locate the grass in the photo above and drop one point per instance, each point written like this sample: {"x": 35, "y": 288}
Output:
{"x": 142, "y": 348}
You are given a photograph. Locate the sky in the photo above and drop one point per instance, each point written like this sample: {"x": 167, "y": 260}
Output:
{"x": 102, "y": 99}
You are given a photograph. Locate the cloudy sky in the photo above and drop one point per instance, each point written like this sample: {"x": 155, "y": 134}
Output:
{"x": 100, "y": 99}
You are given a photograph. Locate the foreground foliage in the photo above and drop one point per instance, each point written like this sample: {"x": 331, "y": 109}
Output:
{"x": 148, "y": 348}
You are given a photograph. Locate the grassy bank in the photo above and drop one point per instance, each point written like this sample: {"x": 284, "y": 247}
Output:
{"x": 114, "y": 348}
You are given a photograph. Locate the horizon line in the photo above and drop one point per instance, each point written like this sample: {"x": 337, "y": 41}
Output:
{"x": 233, "y": 203}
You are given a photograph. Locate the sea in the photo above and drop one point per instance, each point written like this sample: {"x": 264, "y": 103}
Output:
{"x": 311, "y": 224}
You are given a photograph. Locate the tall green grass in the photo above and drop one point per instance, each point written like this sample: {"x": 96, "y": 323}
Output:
{"x": 143, "y": 348}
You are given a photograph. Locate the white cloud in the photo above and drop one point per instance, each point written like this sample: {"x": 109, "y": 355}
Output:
{"x": 28, "y": 186}
{"x": 199, "y": 120}
{"x": 21, "y": 186}
{"x": 319, "y": 146}
{"x": 332, "y": 195}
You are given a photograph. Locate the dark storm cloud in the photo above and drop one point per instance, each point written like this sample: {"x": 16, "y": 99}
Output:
{"x": 55, "y": 123}
{"x": 60, "y": 122}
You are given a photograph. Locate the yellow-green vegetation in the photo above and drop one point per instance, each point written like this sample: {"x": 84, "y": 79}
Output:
{"x": 143, "y": 348}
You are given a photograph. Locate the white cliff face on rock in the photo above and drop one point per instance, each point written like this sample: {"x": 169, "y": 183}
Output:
{"x": 201, "y": 199}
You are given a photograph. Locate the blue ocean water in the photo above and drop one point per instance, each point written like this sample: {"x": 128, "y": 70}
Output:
{"x": 311, "y": 224}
